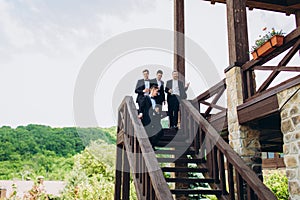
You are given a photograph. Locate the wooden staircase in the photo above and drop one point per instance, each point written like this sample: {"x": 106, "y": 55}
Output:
{"x": 178, "y": 159}
{"x": 186, "y": 164}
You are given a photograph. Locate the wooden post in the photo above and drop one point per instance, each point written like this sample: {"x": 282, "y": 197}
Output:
{"x": 179, "y": 51}
{"x": 118, "y": 180}
{"x": 297, "y": 16}
{"x": 126, "y": 177}
{"x": 237, "y": 32}
{"x": 238, "y": 45}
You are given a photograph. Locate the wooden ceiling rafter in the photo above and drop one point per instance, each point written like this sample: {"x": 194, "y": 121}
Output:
{"x": 286, "y": 6}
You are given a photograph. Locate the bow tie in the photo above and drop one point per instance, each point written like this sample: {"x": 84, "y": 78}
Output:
{"x": 152, "y": 97}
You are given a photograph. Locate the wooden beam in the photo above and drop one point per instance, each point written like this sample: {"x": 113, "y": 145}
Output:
{"x": 211, "y": 91}
{"x": 258, "y": 109}
{"x": 179, "y": 45}
{"x": 283, "y": 63}
{"x": 281, "y": 68}
{"x": 237, "y": 32}
{"x": 271, "y": 91}
{"x": 297, "y": 16}
{"x": 273, "y": 163}
{"x": 288, "y": 9}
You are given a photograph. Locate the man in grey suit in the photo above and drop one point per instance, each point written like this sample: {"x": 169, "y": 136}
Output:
{"x": 176, "y": 92}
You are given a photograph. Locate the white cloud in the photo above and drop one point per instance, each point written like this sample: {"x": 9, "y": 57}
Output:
{"x": 44, "y": 43}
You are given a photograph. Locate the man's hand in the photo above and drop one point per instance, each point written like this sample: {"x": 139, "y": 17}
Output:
{"x": 187, "y": 85}
{"x": 146, "y": 90}
{"x": 170, "y": 91}
{"x": 140, "y": 116}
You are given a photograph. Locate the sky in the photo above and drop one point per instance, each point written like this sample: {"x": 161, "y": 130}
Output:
{"x": 46, "y": 44}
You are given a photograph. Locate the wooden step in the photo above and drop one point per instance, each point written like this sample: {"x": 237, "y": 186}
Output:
{"x": 175, "y": 152}
{"x": 183, "y": 143}
{"x": 202, "y": 191}
{"x": 180, "y": 160}
{"x": 190, "y": 180}
{"x": 184, "y": 169}
{"x": 172, "y": 137}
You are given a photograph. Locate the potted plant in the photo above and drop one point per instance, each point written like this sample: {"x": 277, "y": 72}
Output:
{"x": 267, "y": 43}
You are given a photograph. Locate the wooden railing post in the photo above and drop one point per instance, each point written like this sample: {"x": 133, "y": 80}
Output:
{"x": 239, "y": 174}
{"x": 135, "y": 154}
{"x": 126, "y": 177}
{"x": 119, "y": 165}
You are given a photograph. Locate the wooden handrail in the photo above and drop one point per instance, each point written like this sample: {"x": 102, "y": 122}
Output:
{"x": 218, "y": 152}
{"x": 138, "y": 152}
{"x": 217, "y": 90}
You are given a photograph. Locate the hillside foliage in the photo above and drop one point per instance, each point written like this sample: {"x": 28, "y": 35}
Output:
{"x": 28, "y": 151}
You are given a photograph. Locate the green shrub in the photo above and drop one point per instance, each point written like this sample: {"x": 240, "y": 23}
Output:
{"x": 278, "y": 184}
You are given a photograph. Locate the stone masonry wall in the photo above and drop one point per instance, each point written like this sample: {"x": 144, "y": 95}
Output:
{"x": 242, "y": 139}
{"x": 289, "y": 102}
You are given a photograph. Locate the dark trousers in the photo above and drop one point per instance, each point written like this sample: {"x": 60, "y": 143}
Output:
{"x": 154, "y": 130}
{"x": 173, "y": 108}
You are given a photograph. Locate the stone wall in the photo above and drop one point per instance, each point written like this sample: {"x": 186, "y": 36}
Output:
{"x": 289, "y": 103}
{"x": 243, "y": 139}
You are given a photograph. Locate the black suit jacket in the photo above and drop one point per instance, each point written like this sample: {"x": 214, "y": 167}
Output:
{"x": 161, "y": 97}
{"x": 140, "y": 86}
{"x": 151, "y": 119}
{"x": 182, "y": 89}
{"x": 147, "y": 110}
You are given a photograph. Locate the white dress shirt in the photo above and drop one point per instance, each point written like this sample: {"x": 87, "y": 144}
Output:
{"x": 147, "y": 85}
{"x": 159, "y": 84}
{"x": 153, "y": 102}
{"x": 175, "y": 87}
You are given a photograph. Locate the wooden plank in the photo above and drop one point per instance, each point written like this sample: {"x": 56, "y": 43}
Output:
{"x": 282, "y": 64}
{"x": 266, "y": 6}
{"x": 297, "y": 17}
{"x": 258, "y": 110}
{"x": 216, "y": 165}
{"x": 126, "y": 177}
{"x": 213, "y": 106}
{"x": 238, "y": 46}
{"x": 230, "y": 181}
{"x": 219, "y": 120}
{"x": 250, "y": 193}
{"x": 211, "y": 91}
{"x": 281, "y": 68}
{"x": 249, "y": 84}
{"x": 160, "y": 185}
{"x": 120, "y": 137}
{"x": 118, "y": 172}
{"x": 239, "y": 185}
{"x": 273, "y": 163}
{"x": 271, "y": 91}
{"x": 214, "y": 101}
{"x": 222, "y": 173}
{"x": 179, "y": 45}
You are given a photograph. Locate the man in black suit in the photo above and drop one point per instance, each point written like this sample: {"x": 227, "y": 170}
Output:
{"x": 142, "y": 87}
{"x": 160, "y": 98}
{"x": 176, "y": 91}
{"x": 150, "y": 115}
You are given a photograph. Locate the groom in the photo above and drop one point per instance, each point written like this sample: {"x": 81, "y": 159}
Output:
{"x": 150, "y": 115}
